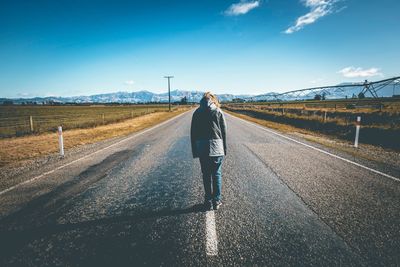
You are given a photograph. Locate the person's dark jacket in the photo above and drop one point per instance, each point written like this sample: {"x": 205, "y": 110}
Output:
{"x": 208, "y": 130}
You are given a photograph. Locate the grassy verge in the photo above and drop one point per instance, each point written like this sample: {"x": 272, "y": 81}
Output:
{"x": 20, "y": 120}
{"x": 366, "y": 105}
{"x": 18, "y": 149}
{"x": 386, "y": 136}
{"x": 365, "y": 151}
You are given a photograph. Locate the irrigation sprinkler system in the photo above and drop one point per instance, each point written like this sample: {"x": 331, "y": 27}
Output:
{"x": 367, "y": 89}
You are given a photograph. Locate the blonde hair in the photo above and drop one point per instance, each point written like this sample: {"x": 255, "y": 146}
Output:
{"x": 212, "y": 97}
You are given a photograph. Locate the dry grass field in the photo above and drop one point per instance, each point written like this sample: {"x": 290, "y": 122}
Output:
{"x": 380, "y": 121}
{"x": 368, "y": 105}
{"x": 19, "y": 120}
{"x": 18, "y": 149}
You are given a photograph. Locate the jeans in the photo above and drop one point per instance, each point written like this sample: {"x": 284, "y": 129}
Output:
{"x": 212, "y": 177}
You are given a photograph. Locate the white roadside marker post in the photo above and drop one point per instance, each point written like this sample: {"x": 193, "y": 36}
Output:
{"x": 358, "y": 124}
{"x": 31, "y": 123}
{"x": 60, "y": 141}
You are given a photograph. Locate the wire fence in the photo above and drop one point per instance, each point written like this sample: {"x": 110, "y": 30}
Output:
{"x": 371, "y": 119}
{"x": 19, "y": 125}
{"x": 347, "y": 105}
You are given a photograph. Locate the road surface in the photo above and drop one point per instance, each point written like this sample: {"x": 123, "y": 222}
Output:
{"x": 138, "y": 202}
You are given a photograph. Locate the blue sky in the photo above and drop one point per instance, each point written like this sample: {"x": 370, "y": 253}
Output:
{"x": 66, "y": 48}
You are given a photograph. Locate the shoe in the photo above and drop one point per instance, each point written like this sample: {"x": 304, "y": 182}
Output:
{"x": 208, "y": 205}
{"x": 217, "y": 204}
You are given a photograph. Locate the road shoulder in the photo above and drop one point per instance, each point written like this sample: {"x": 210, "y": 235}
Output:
{"x": 24, "y": 169}
{"x": 387, "y": 161}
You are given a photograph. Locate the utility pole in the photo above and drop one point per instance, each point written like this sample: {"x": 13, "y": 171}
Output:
{"x": 169, "y": 91}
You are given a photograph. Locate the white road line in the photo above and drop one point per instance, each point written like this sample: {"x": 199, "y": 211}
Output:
{"x": 89, "y": 155}
{"x": 321, "y": 150}
{"x": 211, "y": 234}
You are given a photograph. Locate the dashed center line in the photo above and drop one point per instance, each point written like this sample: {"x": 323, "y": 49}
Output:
{"x": 211, "y": 234}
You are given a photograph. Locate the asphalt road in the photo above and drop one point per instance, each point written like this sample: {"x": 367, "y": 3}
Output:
{"x": 139, "y": 203}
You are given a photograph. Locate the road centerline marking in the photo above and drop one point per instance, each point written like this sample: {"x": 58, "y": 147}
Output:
{"x": 211, "y": 234}
{"x": 321, "y": 150}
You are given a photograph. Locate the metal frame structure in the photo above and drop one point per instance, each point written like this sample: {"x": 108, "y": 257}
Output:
{"x": 371, "y": 88}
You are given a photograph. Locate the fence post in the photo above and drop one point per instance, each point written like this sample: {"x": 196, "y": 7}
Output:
{"x": 31, "y": 123}
{"x": 358, "y": 124}
{"x": 60, "y": 141}
{"x": 325, "y": 116}
{"x": 131, "y": 114}
{"x": 102, "y": 116}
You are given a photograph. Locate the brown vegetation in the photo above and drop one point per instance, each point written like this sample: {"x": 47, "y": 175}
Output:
{"x": 28, "y": 147}
{"x": 367, "y": 105}
{"x": 21, "y": 120}
{"x": 380, "y": 128}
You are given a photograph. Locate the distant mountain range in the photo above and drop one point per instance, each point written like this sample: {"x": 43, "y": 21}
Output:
{"x": 195, "y": 96}
{"x": 125, "y": 97}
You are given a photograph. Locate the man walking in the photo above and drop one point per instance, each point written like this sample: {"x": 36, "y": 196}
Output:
{"x": 208, "y": 138}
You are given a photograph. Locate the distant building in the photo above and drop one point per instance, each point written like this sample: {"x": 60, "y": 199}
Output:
{"x": 238, "y": 100}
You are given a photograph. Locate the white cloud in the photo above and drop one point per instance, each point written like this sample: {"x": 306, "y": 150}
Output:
{"x": 319, "y": 9}
{"x": 352, "y": 72}
{"x": 316, "y": 81}
{"x": 242, "y": 7}
{"x": 129, "y": 82}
